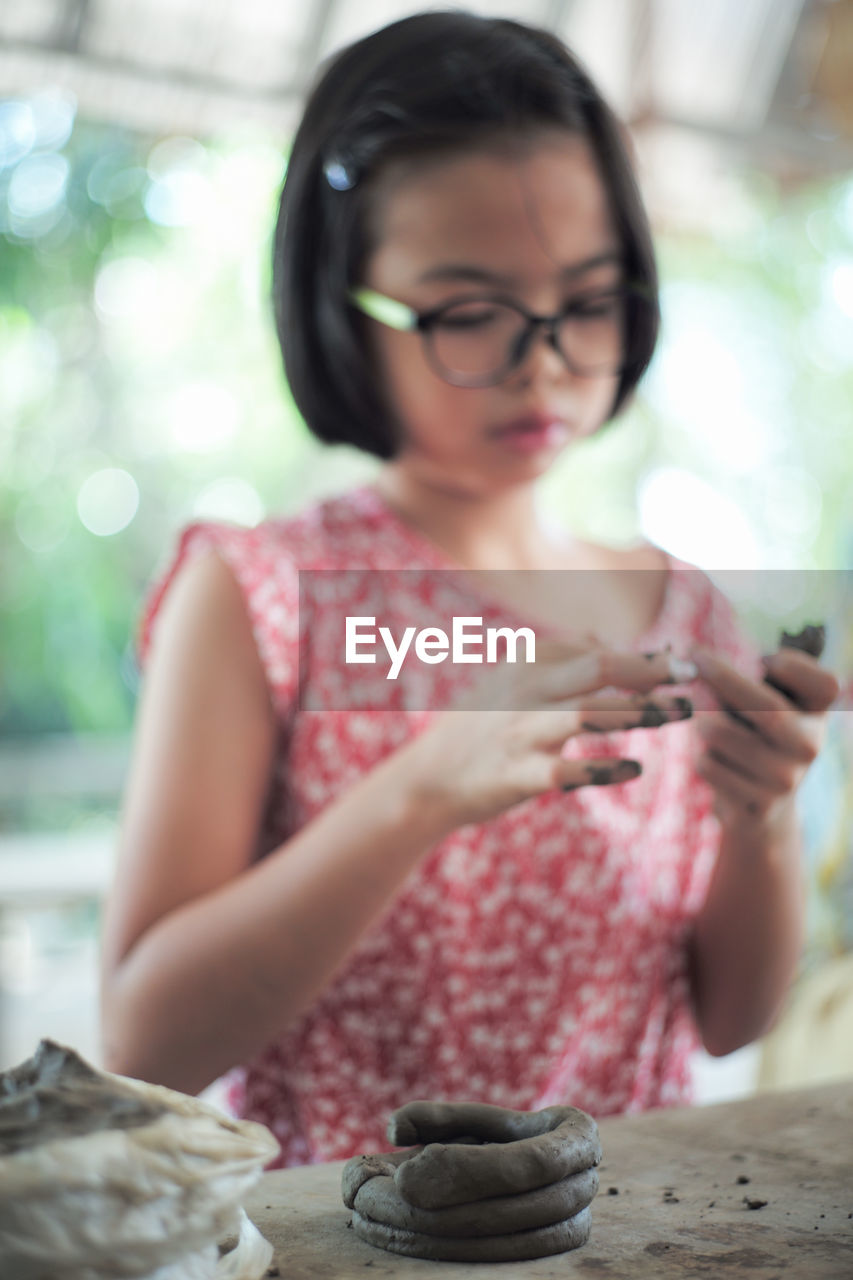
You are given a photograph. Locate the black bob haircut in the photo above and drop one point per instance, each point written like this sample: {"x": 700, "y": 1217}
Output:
{"x": 437, "y": 82}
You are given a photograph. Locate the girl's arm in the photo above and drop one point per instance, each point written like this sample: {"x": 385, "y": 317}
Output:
{"x": 748, "y": 935}
{"x": 204, "y": 955}
{"x": 208, "y": 956}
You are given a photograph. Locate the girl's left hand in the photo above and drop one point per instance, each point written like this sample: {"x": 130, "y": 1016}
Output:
{"x": 757, "y": 748}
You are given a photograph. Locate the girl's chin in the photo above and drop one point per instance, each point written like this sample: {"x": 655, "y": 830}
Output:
{"x": 475, "y": 477}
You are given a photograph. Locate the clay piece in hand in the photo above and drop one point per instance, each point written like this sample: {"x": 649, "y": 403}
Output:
{"x": 810, "y": 640}
{"x": 482, "y": 1184}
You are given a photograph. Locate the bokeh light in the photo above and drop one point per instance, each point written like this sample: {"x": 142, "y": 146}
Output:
{"x": 229, "y": 498}
{"x": 107, "y": 501}
{"x": 125, "y": 286}
{"x": 17, "y": 132}
{"x": 201, "y": 417}
{"x": 686, "y": 516}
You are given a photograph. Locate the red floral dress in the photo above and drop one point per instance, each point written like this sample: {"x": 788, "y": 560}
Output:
{"x": 532, "y": 959}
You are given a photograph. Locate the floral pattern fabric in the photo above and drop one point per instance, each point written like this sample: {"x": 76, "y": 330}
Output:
{"x": 533, "y": 959}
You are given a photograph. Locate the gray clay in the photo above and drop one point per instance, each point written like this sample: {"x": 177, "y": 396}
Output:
{"x": 517, "y": 1246}
{"x": 519, "y": 1151}
{"x": 379, "y": 1199}
{"x": 55, "y": 1094}
{"x": 810, "y": 640}
{"x": 360, "y": 1169}
{"x": 490, "y": 1185}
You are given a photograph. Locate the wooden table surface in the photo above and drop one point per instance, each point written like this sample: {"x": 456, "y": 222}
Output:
{"x": 672, "y": 1204}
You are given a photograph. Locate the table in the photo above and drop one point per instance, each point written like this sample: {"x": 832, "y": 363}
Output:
{"x": 672, "y": 1204}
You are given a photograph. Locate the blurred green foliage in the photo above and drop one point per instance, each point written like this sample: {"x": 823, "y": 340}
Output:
{"x": 130, "y": 345}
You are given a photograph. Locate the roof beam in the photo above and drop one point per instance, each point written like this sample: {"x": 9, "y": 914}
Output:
{"x": 314, "y": 44}
{"x": 71, "y": 26}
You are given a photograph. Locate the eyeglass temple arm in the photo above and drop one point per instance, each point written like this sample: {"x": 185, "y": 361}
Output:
{"x": 386, "y": 310}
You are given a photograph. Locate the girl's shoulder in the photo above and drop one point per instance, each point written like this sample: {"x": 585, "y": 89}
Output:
{"x": 346, "y": 530}
{"x": 674, "y": 601}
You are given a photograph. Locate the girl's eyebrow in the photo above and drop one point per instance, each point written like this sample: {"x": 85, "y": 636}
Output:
{"x": 452, "y": 271}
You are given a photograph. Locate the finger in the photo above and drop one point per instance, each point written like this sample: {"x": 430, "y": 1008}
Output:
{"x": 749, "y": 702}
{"x": 799, "y": 677}
{"x": 745, "y": 753}
{"x": 603, "y": 715}
{"x": 570, "y": 775}
{"x": 610, "y": 668}
{"x": 564, "y": 648}
{"x": 537, "y": 772}
{"x": 739, "y": 791}
{"x": 790, "y": 732}
{"x": 812, "y": 687}
{"x": 551, "y": 727}
{"x": 755, "y": 706}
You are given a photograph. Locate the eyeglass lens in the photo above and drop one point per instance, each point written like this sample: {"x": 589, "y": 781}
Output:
{"x": 481, "y": 339}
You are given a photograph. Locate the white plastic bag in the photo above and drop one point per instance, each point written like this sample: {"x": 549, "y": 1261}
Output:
{"x": 148, "y": 1201}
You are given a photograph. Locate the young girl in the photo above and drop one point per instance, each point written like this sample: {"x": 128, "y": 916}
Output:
{"x": 545, "y": 892}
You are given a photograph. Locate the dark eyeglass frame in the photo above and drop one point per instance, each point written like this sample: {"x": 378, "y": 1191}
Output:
{"x": 405, "y": 319}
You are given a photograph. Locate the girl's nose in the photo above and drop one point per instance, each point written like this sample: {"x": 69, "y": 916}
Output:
{"x": 541, "y": 359}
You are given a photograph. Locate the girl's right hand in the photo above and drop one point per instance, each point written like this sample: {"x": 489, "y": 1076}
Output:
{"x": 502, "y": 743}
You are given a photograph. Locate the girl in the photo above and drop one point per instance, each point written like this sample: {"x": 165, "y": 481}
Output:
{"x": 346, "y": 909}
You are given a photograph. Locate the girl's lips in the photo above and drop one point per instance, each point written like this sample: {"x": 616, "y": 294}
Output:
{"x": 535, "y": 431}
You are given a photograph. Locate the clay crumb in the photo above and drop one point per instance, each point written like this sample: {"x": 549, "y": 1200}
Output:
{"x": 742, "y": 1179}
{"x": 752, "y": 1202}
{"x": 711, "y": 1204}
{"x": 273, "y": 1271}
{"x": 613, "y": 1191}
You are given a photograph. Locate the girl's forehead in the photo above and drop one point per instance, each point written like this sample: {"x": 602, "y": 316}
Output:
{"x": 543, "y": 204}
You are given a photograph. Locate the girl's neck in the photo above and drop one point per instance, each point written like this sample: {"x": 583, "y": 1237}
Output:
{"x": 478, "y": 531}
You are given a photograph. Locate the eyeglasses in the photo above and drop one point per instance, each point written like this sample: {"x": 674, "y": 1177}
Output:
{"x": 480, "y": 341}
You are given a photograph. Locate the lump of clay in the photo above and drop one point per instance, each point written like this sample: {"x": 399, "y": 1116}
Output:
{"x": 56, "y": 1094}
{"x": 810, "y": 640}
{"x": 102, "y": 1176}
{"x": 482, "y": 1184}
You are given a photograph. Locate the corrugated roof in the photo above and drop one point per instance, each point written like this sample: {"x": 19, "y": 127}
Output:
{"x": 732, "y": 70}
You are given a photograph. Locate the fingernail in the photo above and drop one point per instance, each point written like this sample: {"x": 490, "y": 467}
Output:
{"x": 654, "y": 714}
{"x": 738, "y": 716}
{"x": 682, "y": 670}
{"x": 601, "y": 775}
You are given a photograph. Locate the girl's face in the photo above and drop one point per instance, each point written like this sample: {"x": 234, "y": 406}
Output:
{"x": 532, "y": 224}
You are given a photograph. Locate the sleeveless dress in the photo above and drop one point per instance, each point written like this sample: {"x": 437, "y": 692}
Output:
{"x": 533, "y": 959}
